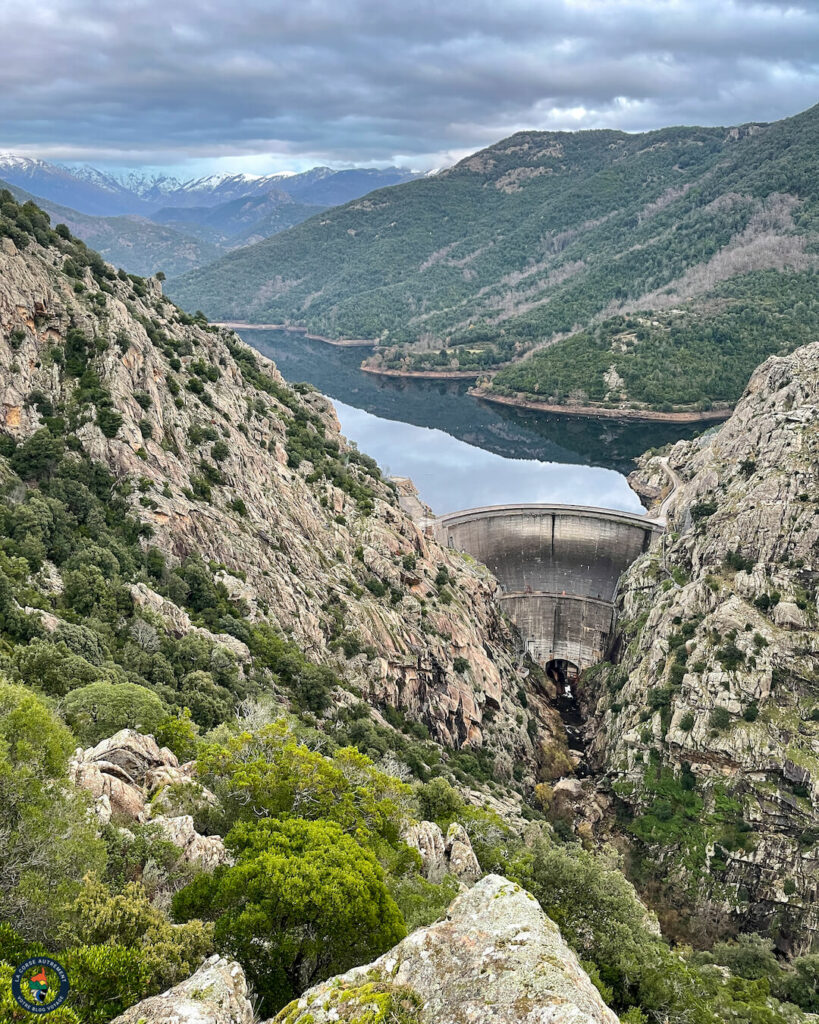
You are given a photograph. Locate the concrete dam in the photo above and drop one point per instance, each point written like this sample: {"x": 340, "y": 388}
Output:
{"x": 558, "y": 567}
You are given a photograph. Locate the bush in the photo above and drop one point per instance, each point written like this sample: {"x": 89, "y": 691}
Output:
{"x": 720, "y": 718}
{"x": 101, "y": 709}
{"x": 303, "y": 902}
{"x": 128, "y": 919}
{"x": 48, "y": 840}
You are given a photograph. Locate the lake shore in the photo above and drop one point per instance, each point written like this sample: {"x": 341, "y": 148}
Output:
{"x": 597, "y": 412}
{"x": 425, "y": 374}
{"x": 238, "y": 325}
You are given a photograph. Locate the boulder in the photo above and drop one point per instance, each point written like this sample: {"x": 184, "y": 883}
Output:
{"x": 463, "y": 863}
{"x": 116, "y": 768}
{"x": 215, "y": 994}
{"x": 132, "y": 751}
{"x": 115, "y": 794}
{"x": 495, "y": 959}
{"x": 427, "y": 838}
{"x": 207, "y": 851}
{"x": 451, "y": 856}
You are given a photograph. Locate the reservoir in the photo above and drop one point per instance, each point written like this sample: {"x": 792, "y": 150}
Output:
{"x": 462, "y": 452}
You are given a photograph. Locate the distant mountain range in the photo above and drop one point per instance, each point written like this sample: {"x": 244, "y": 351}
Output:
{"x": 593, "y": 268}
{"x": 148, "y": 222}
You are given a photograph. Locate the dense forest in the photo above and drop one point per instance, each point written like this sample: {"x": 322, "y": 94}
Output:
{"x": 539, "y": 237}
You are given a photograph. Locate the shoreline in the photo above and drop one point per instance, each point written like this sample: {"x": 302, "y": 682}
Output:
{"x": 425, "y": 374}
{"x": 596, "y": 412}
{"x": 238, "y": 325}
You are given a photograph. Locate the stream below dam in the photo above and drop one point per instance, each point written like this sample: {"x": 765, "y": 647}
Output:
{"x": 461, "y": 452}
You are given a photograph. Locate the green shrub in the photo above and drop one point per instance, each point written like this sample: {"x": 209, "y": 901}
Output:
{"x": 101, "y": 709}
{"x": 303, "y": 902}
{"x": 720, "y": 718}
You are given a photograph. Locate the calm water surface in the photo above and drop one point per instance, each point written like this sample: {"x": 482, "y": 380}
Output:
{"x": 461, "y": 452}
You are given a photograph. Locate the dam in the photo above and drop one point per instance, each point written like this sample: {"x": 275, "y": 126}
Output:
{"x": 558, "y": 567}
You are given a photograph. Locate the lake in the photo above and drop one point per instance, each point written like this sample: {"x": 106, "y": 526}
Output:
{"x": 462, "y": 452}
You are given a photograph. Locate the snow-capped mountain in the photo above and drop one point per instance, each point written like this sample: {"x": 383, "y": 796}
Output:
{"x": 83, "y": 188}
{"x": 92, "y": 191}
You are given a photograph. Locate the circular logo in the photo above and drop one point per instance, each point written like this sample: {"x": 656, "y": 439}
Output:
{"x": 40, "y": 984}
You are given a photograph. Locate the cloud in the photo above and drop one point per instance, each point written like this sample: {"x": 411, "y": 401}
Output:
{"x": 268, "y": 84}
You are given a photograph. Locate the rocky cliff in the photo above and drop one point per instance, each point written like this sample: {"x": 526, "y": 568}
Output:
{"x": 496, "y": 958}
{"x": 223, "y": 458}
{"x": 706, "y": 720}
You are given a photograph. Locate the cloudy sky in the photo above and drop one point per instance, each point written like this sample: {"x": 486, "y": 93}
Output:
{"x": 262, "y": 85}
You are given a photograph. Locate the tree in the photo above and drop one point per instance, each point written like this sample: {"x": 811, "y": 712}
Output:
{"x": 101, "y": 709}
{"x": 37, "y": 455}
{"x": 48, "y": 841}
{"x": 303, "y": 901}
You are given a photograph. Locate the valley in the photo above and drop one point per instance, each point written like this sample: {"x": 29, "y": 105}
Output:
{"x": 596, "y": 269}
{"x": 262, "y": 662}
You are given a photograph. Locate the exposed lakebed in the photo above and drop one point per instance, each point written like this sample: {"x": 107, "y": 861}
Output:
{"x": 462, "y": 452}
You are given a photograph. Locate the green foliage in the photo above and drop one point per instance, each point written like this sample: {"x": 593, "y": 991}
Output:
{"x": 101, "y": 709}
{"x": 48, "y": 840}
{"x": 165, "y": 953}
{"x": 720, "y": 718}
{"x": 271, "y": 774}
{"x": 302, "y": 902}
{"x": 309, "y": 684}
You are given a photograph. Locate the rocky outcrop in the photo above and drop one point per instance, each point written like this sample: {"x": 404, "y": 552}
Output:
{"x": 132, "y": 778}
{"x": 115, "y": 770}
{"x": 335, "y": 572}
{"x": 495, "y": 959}
{"x": 208, "y": 852}
{"x": 706, "y": 722}
{"x": 441, "y": 856}
{"x": 215, "y": 994}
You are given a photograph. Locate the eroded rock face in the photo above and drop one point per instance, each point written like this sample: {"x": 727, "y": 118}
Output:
{"x": 716, "y": 662}
{"x": 300, "y": 552}
{"x": 215, "y": 994}
{"x": 206, "y": 851}
{"x": 496, "y": 959}
{"x": 441, "y": 856}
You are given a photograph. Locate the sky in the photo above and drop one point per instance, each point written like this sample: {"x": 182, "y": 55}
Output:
{"x": 257, "y": 86}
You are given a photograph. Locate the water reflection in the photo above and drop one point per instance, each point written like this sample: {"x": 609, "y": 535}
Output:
{"x": 451, "y": 474}
{"x": 504, "y": 451}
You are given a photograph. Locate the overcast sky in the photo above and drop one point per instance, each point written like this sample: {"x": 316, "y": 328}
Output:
{"x": 262, "y": 85}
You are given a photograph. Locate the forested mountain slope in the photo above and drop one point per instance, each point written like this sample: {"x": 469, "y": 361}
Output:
{"x": 545, "y": 234}
{"x": 140, "y": 245}
{"x": 248, "y": 709}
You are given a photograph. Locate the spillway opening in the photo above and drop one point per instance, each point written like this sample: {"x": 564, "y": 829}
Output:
{"x": 564, "y": 674}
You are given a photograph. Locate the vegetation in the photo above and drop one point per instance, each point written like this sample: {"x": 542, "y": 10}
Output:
{"x": 311, "y": 794}
{"x": 541, "y": 235}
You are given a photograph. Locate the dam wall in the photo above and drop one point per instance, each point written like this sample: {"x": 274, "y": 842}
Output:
{"x": 558, "y": 568}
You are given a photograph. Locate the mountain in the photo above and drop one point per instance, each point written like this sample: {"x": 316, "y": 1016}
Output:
{"x": 248, "y": 708}
{"x": 84, "y": 188}
{"x": 95, "y": 192}
{"x": 238, "y": 222}
{"x": 709, "y": 700}
{"x": 492, "y": 264}
{"x": 139, "y": 245}
{"x": 149, "y": 222}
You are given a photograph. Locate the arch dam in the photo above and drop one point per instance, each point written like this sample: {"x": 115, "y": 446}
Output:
{"x": 558, "y": 568}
